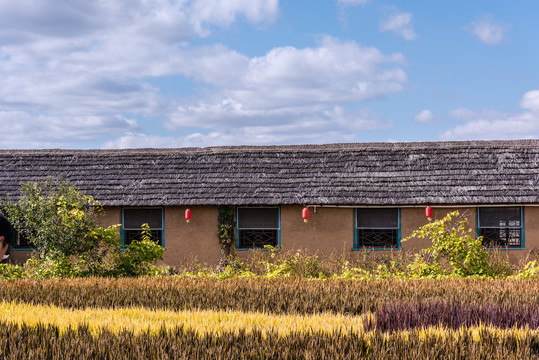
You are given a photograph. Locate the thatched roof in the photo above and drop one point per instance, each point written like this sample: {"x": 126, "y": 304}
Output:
{"x": 445, "y": 173}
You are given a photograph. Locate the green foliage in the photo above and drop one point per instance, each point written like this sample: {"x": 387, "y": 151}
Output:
{"x": 63, "y": 224}
{"x": 48, "y": 266}
{"x": 530, "y": 271}
{"x": 11, "y": 272}
{"x": 57, "y": 218}
{"x": 139, "y": 256}
{"x": 225, "y": 231}
{"x": 299, "y": 265}
{"x": 452, "y": 243}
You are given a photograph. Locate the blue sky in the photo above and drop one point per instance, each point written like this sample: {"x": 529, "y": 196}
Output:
{"x": 176, "y": 73}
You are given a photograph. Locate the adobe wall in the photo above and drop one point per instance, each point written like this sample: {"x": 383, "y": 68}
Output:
{"x": 112, "y": 216}
{"x": 194, "y": 242}
{"x": 329, "y": 230}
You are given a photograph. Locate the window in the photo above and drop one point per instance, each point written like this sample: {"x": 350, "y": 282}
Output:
{"x": 377, "y": 228}
{"x": 500, "y": 226}
{"x": 21, "y": 242}
{"x": 257, "y": 227}
{"x": 133, "y": 218}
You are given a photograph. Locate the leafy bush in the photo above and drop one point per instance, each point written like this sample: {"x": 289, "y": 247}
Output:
{"x": 63, "y": 225}
{"x": 299, "y": 265}
{"x": 451, "y": 242}
{"x": 139, "y": 256}
{"x": 530, "y": 271}
{"x": 11, "y": 272}
{"x": 58, "y": 219}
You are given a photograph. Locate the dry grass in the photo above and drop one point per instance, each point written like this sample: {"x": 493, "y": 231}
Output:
{"x": 139, "y": 320}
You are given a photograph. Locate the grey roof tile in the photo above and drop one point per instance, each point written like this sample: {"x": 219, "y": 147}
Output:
{"x": 447, "y": 173}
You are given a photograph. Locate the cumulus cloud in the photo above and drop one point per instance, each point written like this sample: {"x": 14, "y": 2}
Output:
{"x": 285, "y": 127}
{"x": 68, "y": 70}
{"x": 399, "y": 23}
{"x": 488, "y": 30}
{"x": 82, "y": 72}
{"x": 287, "y": 78}
{"x": 490, "y": 125}
{"x": 425, "y": 117}
{"x": 223, "y": 13}
{"x": 290, "y": 95}
{"x": 55, "y": 131}
{"x": 530, "y": 101}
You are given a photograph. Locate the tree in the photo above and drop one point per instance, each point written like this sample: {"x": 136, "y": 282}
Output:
{"x": 58, "y": 219}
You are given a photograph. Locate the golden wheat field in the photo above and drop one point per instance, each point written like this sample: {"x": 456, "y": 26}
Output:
{"x": 167, "y": 318}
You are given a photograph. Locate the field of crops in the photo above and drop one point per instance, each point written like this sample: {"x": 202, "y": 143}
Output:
{"x": 172, "y": 318}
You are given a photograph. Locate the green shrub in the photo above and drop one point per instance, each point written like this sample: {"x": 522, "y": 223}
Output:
{"x": 48, "y": 266}
{"x": 11, "y": 272}
{"x": 452, "y": 243}
{"x": 139, "y": 256}
{"x": 530, "y": 271}
{"x": 57, "y": 218}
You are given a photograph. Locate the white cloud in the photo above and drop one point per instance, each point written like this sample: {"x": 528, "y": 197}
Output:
{"x": 333, "y": 73}
{"x": 425, "y": 117}
{"x": 489, "y": 30}
{"x": 290, "y": 94}
{"x": 82, "y": 73}
{"x": 35, "y": 131}
{"x": 292, "y": 126}
{"x": 399, "y": 23}
{"x": 76, "y": 66}
{"x": 489, "y": 125}
{"x": 530, "y": 101}
{"x": 223, "y": 13}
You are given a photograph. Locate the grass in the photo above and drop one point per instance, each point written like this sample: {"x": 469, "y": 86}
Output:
{"x": 139, "y": 320}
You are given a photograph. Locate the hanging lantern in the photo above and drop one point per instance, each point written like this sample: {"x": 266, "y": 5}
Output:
{"x": 428, "y": 212}
{"x": 305, "y": 214}
{"x": 188, "y": 215}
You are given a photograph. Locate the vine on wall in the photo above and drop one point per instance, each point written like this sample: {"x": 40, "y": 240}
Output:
{"x": 226, "y": 230}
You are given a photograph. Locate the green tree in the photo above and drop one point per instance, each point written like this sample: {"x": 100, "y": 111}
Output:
{"x": 58, "y": 219}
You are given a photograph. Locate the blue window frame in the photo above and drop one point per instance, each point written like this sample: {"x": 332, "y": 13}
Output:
{"x": 377, "y": 228}
{"x": 134, "y": 217}
{"x": 257, "y": 227}
{"x": 501, "y": 227}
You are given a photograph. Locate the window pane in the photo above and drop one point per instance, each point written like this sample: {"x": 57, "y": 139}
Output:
{"x": 374, "y": 238}
{"x": 499, "y": 217}
{"x": 134, "y": 218}
{"x": 130, "y": 235}
{"x": 251, "y": 239}
{"x": 21, "y": 241}
{"x": 500, "y": 237}
{"x": 377, "y": 218}
{"x": 258, "y": 218}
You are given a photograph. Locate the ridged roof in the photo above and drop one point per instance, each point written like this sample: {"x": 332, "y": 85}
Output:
{"x": 445, "y": 173}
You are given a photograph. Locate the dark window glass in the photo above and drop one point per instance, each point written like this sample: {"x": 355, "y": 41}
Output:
{"x": 258, "y": 218}
{"x": 133, "y": 220}
{"x": 377, "y": 218}
{"x": 501, "y": 226}
{"x": 258, "y": 227}
{"x": 21, "y": 241}
{"x": 377, "y": 228}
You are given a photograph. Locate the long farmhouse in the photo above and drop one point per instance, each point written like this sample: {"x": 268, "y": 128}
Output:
{"x": 360, "y": 196}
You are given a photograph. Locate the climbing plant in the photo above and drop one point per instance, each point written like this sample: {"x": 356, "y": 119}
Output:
{"x": 225, "y": 230}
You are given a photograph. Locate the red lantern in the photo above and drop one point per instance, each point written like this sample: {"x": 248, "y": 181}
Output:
{"x": 188, "y": 215}
{"x": 305, "y": 214}
{"x": 428, "y": 212}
